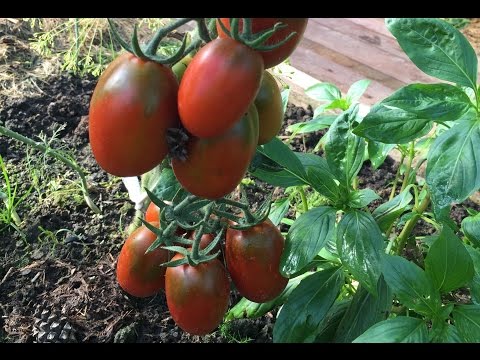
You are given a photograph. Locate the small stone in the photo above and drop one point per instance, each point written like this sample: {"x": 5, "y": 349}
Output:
{"x": 127, "y": 334}
{"x": 36, "y": 254}
{"x": 51, "y": 336}
{"x": 25, "y": 272}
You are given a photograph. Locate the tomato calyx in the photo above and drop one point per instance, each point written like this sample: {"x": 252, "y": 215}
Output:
{"x": 255, "y": 41}
{"x": 201, "y": 216}
{"x": 190, "y": 42}
{"x": 177, "y": 139}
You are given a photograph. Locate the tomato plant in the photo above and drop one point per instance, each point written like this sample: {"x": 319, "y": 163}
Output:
{"x": 138, "y": 273}
{"x": 132, "y": 106}
{"x": 215, "y": 166}
{"x": 253, "y": 259}
{"x": 270, "y": 109}
{"x": 224, "y": 71}
{"x": 276, "y": 56}
{"x": 197, "y": 296}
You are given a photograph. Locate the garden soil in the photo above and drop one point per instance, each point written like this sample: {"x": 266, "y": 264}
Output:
{"x": 63, "y": 257}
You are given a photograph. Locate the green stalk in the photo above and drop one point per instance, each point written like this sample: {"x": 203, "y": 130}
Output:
{"x": 304, "y": 198}
{"x": 411, "y": 155}
{"x": 52, "y": 152}
{"x": 397, "y": 176}
{"x": 407, "y": 230}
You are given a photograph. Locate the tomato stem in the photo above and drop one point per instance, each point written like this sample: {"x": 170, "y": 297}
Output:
{"x": 152, "y": 46}
{"x": 411, "y": 155}
{"x": 203, "y": 30}
{"x": 199, "y": 232}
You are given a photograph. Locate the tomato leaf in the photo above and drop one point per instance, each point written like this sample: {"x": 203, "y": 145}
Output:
{"x": 344, "y": 150}
{"x": 306, "y": 237}
{"x": 364, "y": 311}
{"x": 471, "y": 229}
{"x": 360, "y": 245}
{"x": 452, "y": 172}
{"x": 437, "y": 48}
{"x": 324, "y": 92}
{"x": 252, "y": 310}
{"x": 467, "y": 322}
{"x": 166, "y": 186}
{"x": 411, "y": 285}
{"x": 285, "y": 95}
{"x": 448, "y": 334}
{"x": 401, "y": 329}
{"x": 361, "y": 198}
{"x": 448, "y": 263}
{"x": 278, "y": 210}
{"x": 307, "y": 306}
{"x": 386, "y": 214}
{"x": 356, "y": 91}
{"x": 377, "y": 152}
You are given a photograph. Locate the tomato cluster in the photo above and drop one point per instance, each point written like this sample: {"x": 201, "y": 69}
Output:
{"x": 198, "y": 296}
{"x": 226, "y": 103}
{"x": 222, "y": 96}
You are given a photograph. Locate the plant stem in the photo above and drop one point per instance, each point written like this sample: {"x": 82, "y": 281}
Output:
{"x": 304, "y": 198}
{"x": 397, "y": 176}
{"x": 41, "y": 147}
{"x": 162, "y": 32}
{"x": 199, "y": 232}
{"x": 411, "y": 155}
{"x": 203, "y": 30}
{"x": 407, "y": 230}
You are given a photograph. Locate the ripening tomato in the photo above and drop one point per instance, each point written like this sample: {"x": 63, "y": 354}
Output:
{"x": 218, "y": 86}
{"x": 253, "y": 260}
{"x": 140, "y": 274}
{"x": 197, "y": 296}
{"x": 215, "y": 166}
{"x": 270, "y": 109}
{"x": 133, "y": 105}
{"x": 276, "y": 56}
{"x": 153, "y": 215}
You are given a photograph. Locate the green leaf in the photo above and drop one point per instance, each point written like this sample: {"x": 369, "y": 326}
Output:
{"x": 448, "y": 262}
{"x": 386, "y": 214}
{"x": 471, "y": 229}
{"x": 437, "y": 48}
{"x": 337, "y": 104}
{"x": 344, "y": 150}
{"x": 252, "y": 310}
{"x": 411, "y": 285}
{"x": 475, "y": 283}
{"x": 278, "y": 210}
{"x": 467, "y": 322}
{"x": 360, "y": 245}
{"x": 434, "y": 102}
{"x": 305, "y": 238}
{"x": 316, "y": 124}
{"x": 277, "y": 151}
{"x": 452, "y": 172}
{"x": 285, "y": 95}
{"x": 356, "y": 91}
{"x": 329, "y": 325}
{"x": 364, "y": 311}
{"x": 361, "y": 198}
{"x": 401, "y": 329}
{"x": 446, "y": 334}
{"x": 307, "y": 306}
{"x": 324, "y": 92}
{"x": 167, "y": 185}
{"x": 392, "y": 125}
{"x": 377, "y": 152}
{"x": 323, "y": 183}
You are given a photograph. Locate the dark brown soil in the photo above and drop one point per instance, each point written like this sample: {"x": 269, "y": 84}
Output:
{"x": 64, "y": 255}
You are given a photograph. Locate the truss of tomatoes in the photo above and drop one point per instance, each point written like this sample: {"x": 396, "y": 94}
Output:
{"x": 228, "y": 103}
{"x": 198, "y": 296}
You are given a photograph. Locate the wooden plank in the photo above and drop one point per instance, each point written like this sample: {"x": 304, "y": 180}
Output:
{"x": 315, "y": 61}
{"x": 400, "y": 68}
{"x": 374, "y": 24}
{"x": 362, "y": 34}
